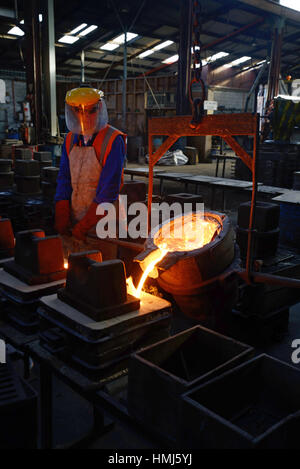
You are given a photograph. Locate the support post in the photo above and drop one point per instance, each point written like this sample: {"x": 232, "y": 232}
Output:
{"x": 33, "y": 64}
{"x": 124, "y": 90}
{"x": 249, "y": 259}
{"x": 49, "y": 66}
{"x": 275, "y": 61}
{"x": 82, "y": 58}
{"x": 184, "y": 61}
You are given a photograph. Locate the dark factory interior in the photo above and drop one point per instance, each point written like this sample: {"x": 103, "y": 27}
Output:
{"x": 150, "y": 227}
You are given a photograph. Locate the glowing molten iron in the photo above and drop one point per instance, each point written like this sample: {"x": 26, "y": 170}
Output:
{"x": 186, "y": 233}
{"x": 151, "y": 263}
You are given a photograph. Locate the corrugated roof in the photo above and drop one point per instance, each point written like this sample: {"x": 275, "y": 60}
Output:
{"x": 157, "y": 21}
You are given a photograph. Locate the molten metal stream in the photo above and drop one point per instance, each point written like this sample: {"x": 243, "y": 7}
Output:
{"x": 137, "y": 291}
{"x": 186, "y": 233}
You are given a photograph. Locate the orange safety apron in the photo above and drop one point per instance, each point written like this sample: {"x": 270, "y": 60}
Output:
{"x": 86, "y": 164}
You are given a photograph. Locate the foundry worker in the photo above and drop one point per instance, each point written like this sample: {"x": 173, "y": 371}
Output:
{"x": 91, "y": 168}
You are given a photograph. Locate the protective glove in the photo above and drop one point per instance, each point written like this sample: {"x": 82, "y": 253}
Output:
{"x": 62, "y": 216}
{"x": 87, "y": 222}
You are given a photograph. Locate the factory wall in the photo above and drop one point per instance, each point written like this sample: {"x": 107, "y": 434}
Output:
{"x": 11, "y": 115}
{"x": 232, "y": 100}
{"x": 229, "y": 99}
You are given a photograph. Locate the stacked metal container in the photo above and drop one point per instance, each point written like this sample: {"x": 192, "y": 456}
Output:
{"x": 44, "y": 158}
{"x": 266, "y": 224}
{"x": 27, "y": 175}
{"x": 276, "y": 165}
{"x": 6, "y": 174}
{"x": 49, "y": 177}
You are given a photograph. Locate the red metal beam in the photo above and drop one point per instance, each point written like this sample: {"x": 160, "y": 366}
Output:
{"x": 236, "y": 147}
{"x": 217, "y": 124}
{"x": 233, "y": 33}
{"x": 224, "y": 125}
{"x": 227, "y": 126}
{"x": 163, "y": 148}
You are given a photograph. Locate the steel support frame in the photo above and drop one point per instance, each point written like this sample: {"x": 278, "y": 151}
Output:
{"x": 210, "y": 45}
{"x": 33, "y": 63}
{"x": 184, "y": 63}
{"x": 124, "y": 83}
{"x": 49, "y": 66}
{"x": 226, "y": 126}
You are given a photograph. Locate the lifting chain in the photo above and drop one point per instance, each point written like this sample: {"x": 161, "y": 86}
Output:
{"x": 197, "y": 103}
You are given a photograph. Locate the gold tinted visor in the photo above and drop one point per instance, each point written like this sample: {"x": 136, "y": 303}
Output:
{"x": 86, "y": 119}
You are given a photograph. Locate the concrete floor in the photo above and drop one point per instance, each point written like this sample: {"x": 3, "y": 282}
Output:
{"x": 73, "y": 416}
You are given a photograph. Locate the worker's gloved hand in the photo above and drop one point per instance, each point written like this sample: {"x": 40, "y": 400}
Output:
{"x": 62, "y": 216}
{"x": 88, "y": 221}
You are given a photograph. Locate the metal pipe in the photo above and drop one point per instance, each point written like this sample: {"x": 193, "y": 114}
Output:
{"x": 124, "y": 90}
{"x": 16, "y": 9}
{"x": 184, "y": 62}
{"x": 82, "y": 57}
{"x": 233, "y": 33}
{"x": 278, "y": 54}
{"x": 270, "y": 74}
{"x": 150, "y": 179}
{"x": 260, "y": 277}
{"x": 253, "y": 198}
{"x": 49, "y": 66}
{"x": 137, "y": 15}
{"x": 255, "y": 84}
{"x": 33, "y": 65}
{"x": 37, "y": 72}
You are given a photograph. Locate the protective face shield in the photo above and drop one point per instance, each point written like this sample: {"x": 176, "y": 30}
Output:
{"x": 85, "y": 111}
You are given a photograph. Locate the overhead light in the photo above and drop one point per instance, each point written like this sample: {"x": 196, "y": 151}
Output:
{"x": 16, "y": 31}
{"x": 287, "y": 96}
{"x": 238, "y": 61}
{"x": 218, "y": 55}
{"x": 40, "y": 19}
{"x": 88, "y": 30}
{"x": 79, "y": 28}
{"x": 117, "y": 41}
{"x": 213, "y": 58}
{"x": 146, "y": 53}
{"x": 68, "y": 39}
{"x": 155, "y": 48}
{"x": 293, "y": 4}
{"x": 241, "y": 60}
{"x": 109, "y": 46}
{"x": 121, "y": 39}
{"x": 162, "y": 45}
{"x": 170, "y": 60}
{"x": 261, "y": 62}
